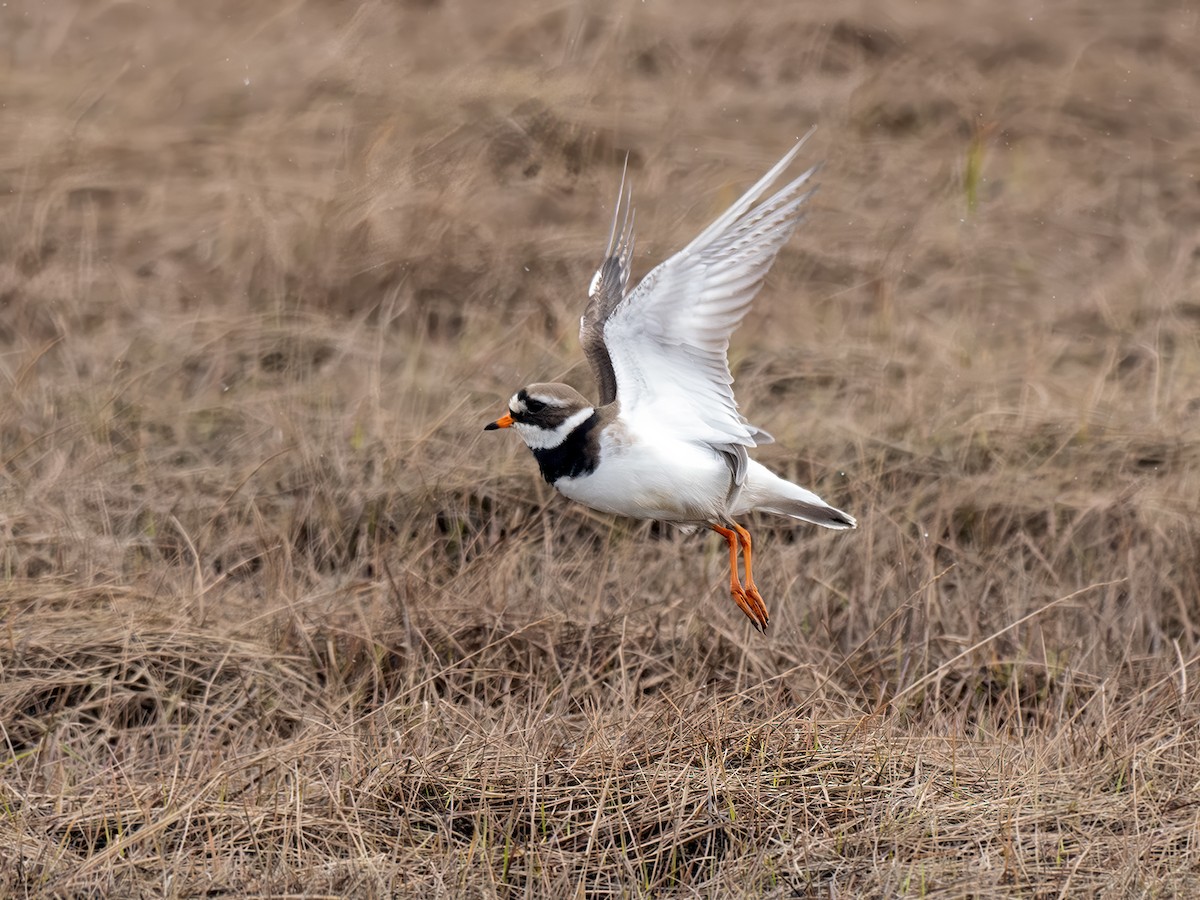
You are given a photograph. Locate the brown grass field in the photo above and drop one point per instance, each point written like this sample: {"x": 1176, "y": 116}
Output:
{"x": 280, "y": 620}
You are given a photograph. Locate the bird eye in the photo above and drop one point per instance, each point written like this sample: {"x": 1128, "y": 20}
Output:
{"x": 534, "y": 406}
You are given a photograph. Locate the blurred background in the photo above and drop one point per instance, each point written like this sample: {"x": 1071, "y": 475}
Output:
{"x": 267, "y": 269}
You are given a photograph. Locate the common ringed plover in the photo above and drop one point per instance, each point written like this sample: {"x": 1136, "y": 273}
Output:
{"x": 665, "y": 440}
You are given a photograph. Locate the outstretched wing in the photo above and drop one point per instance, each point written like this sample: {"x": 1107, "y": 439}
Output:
{"x": 606, "y": 292}
{"x": 666, "y": 341}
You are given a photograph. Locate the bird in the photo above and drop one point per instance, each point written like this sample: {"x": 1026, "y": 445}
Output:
{"x": 665, "y": 440}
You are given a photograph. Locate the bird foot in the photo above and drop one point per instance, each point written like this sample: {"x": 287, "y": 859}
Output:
{"x": 751, "y": 603}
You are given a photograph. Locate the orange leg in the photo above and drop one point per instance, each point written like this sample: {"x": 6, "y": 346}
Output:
{"x": 748, "y": 555}
{"x": 751, "y": 589}
{"x": 748, "y": 601}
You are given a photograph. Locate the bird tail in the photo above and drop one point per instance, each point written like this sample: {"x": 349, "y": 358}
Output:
{"x": 814, "y": 510}
{"x": 767, "y": 492}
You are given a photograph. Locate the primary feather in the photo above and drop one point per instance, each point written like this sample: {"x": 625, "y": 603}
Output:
{"x": 662, "y": 346}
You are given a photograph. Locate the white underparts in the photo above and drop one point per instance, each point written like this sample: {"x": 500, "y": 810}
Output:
{"x": 546, "y": 438}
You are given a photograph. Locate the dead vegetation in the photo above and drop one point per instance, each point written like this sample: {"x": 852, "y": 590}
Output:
{"x": 280, "y": 620}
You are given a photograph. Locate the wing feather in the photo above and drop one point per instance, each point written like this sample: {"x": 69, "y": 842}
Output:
{"x": 662, "y": 347}
{"x": 609, "y": 287}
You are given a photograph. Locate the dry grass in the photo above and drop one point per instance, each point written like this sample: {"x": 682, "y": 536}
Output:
{"x": 279, "y": 619}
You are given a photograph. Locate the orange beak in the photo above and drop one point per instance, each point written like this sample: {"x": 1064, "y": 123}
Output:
{"x": 502, "y": 422}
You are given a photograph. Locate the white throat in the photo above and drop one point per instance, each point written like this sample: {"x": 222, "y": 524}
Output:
{"x": 546, "y": 438}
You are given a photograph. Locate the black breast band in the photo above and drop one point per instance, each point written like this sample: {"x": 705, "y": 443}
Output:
{"x": 576, "y": 455}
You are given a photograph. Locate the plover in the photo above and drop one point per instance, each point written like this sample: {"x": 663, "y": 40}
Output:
{"x": 665, "y": 439}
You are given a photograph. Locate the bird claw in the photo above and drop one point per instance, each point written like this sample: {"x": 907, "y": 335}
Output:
{"x": 751, "y": 603}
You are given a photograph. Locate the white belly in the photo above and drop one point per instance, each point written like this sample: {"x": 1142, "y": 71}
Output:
{"x": 668, "y": 480}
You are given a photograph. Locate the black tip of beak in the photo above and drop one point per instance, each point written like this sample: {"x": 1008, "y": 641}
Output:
{"x": 491, "y": 426}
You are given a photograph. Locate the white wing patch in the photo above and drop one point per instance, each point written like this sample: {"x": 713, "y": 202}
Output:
{"x": 669, "y": 337}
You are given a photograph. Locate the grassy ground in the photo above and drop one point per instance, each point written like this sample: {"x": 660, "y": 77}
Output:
{"x": 279, "y": 619}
